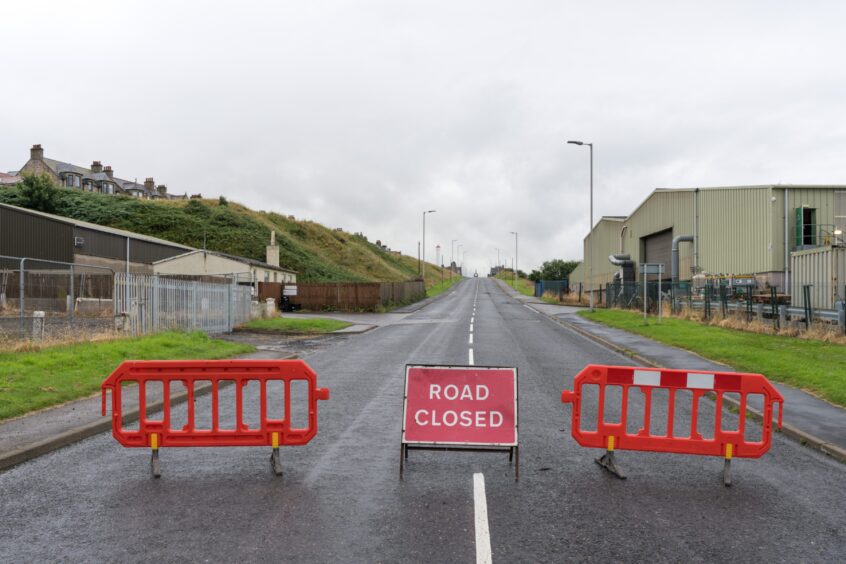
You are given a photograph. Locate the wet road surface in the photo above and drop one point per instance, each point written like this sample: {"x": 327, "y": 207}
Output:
{"x": 341, "y": 499}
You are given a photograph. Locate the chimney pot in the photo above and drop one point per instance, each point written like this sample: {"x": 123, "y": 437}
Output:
{"x": 96, "y": 166}
{"x": 36, "y": 152}
{"x": 108, "y": 170}
{"x": 149, "y": 184}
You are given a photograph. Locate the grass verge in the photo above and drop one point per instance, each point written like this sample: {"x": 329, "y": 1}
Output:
{"x": 442, "y": 287}
{"x": 816, "y": 366}
{"x": 38, "y": 379}
{"x": 522, "y": 285}
{"x": 292, "y": 326}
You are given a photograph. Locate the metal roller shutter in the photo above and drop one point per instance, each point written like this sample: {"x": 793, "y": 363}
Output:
{"x": 658, "y": 249}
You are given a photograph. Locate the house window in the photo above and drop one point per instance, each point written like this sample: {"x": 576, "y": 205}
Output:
{"x": 274, "y": 277}
{"x": 69, "y": 181}
{"x": 266, "y": 276}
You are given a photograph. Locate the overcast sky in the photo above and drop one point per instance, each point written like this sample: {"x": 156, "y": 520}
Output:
{"x": 363, "y": 114}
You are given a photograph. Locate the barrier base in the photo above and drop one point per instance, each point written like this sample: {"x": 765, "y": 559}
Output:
{"x": 155, "y": 467}
{"x": 727, "y": 473}
{"x": 607, "y": 461}
{"x": 275, "y": 464}
{"x": 513, "y": 453}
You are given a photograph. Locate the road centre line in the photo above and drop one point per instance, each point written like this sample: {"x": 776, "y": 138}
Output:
{"x": 483, "y": 533}
{"x": 471, "y": 339}
{"x": 471, "y": 327}
{"x": 470, "y": 357}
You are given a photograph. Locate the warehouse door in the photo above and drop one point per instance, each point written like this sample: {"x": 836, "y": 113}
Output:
{"x": 657, "y": 248}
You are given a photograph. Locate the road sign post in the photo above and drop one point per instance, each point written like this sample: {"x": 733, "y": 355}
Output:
{"x": 460, "y": 408}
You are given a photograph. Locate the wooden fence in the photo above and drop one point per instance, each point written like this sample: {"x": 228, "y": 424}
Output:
{"x": 346, "y": 296}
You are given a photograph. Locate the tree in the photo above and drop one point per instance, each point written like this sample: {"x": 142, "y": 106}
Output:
{"x": 39, "y": 193}
{"x": 556, "y": 269}
{"x": 222, "y": 201}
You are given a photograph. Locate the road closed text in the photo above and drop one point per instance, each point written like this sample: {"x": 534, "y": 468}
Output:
{"x": 463, "y": 405}
{"x": 463, "y": 418}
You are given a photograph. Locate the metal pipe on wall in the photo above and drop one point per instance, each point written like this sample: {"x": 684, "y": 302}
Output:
{"x": 696, "y": 231}
{"x": 786, "y": 243}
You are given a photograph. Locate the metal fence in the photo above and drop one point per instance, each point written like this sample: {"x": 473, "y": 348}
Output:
{"x": 58, "y": 301}
{"x": 719, "y": 300}
{"x": 149, "y": 303}
{"x": 556, "y": 287}
{"x": 41, "y": 298}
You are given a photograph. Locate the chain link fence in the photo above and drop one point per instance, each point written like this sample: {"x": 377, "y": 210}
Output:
{"x": 54, "y": 301}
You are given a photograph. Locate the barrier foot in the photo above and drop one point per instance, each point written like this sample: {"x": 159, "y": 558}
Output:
{"x": 155, "y": 467}
{"x": 727, "y": 473}
{"x": 275, "y": 464}
{"x": 607, "y": 461}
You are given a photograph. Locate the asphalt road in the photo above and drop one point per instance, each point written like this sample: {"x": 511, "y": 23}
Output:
{"x": 341, "y": 499}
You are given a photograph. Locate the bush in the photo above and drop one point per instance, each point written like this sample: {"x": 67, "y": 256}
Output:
{"x": 39, "y": 193}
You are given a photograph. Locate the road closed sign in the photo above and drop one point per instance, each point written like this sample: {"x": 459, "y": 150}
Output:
{"x": 464, "y": 406}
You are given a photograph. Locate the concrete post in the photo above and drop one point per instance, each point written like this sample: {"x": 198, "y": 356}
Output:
{"x": 37, "y": 325}
{"x": 782, "y": 316}
{"x": 759, "y": 314}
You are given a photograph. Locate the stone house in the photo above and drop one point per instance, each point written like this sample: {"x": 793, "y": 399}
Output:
{"x": 96, "y": 178}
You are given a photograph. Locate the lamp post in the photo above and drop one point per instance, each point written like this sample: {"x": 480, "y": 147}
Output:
{"x": 423, "y": 268}
{"x": 516, "y": 256}
{"x": 458, "y": 254}
{"x": 590, "y": 230}
{"x": 452, "y": 256}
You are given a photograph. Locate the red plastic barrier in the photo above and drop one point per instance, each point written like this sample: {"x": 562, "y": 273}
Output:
{"x": 157, "y": 433}
{"x": 616, "y": 435}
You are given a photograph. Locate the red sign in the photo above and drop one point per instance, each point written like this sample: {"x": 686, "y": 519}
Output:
{"x": 460, "y": 405}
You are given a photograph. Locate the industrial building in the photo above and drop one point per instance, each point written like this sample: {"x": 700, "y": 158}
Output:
{"x": 41, "y": 236}
{"x": 213, "y": 263}
{"x": 36, "y": 235}
{"x": 743, "y": 231}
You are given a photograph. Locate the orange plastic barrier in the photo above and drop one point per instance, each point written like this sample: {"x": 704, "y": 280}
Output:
{"x": 161, "y": 432}
{"x": 620, "y": 436}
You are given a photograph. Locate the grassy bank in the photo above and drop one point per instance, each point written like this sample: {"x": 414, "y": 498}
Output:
{"x": 289, "y": 326}
{"x": 816, "y": 366}
{"x": 38, "y": 379}
{"x": 522, "y": 285}
{"x": 441, "y": 287}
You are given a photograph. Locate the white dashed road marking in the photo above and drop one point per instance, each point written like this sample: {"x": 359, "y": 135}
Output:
{"x": 483, "y": 533}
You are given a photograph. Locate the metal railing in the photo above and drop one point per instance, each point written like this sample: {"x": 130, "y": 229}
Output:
{"x": 151, "y": 303}
{"x": 746, "y": 302}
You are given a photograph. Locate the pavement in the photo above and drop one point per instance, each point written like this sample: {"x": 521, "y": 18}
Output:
{"x": 341, "y": 499}
{"x": 807, "y": 418}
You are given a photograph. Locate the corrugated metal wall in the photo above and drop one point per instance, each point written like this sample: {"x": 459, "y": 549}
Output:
{"x": 735, "y": 235}
{"x": 113, "y": 246}
{"x": 664, "y": 209}
{"x": 26, "y": 235}
{"x": 825, "y": 269}
{"x": 606, "y": 241}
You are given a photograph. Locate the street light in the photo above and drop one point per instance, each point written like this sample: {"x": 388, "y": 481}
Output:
{"x": 452, "y": 256}
{"x": 459, "y": 254}
{"x": 423, "y": 269}
{"x": 590, "y": 231}
{"x": 516, "y": 256}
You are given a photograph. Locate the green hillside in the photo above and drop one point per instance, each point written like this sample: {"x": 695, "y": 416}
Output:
{"x": 317, "y": 253}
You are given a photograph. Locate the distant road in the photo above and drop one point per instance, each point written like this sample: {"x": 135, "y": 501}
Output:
{"x": 341, "y": 499}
